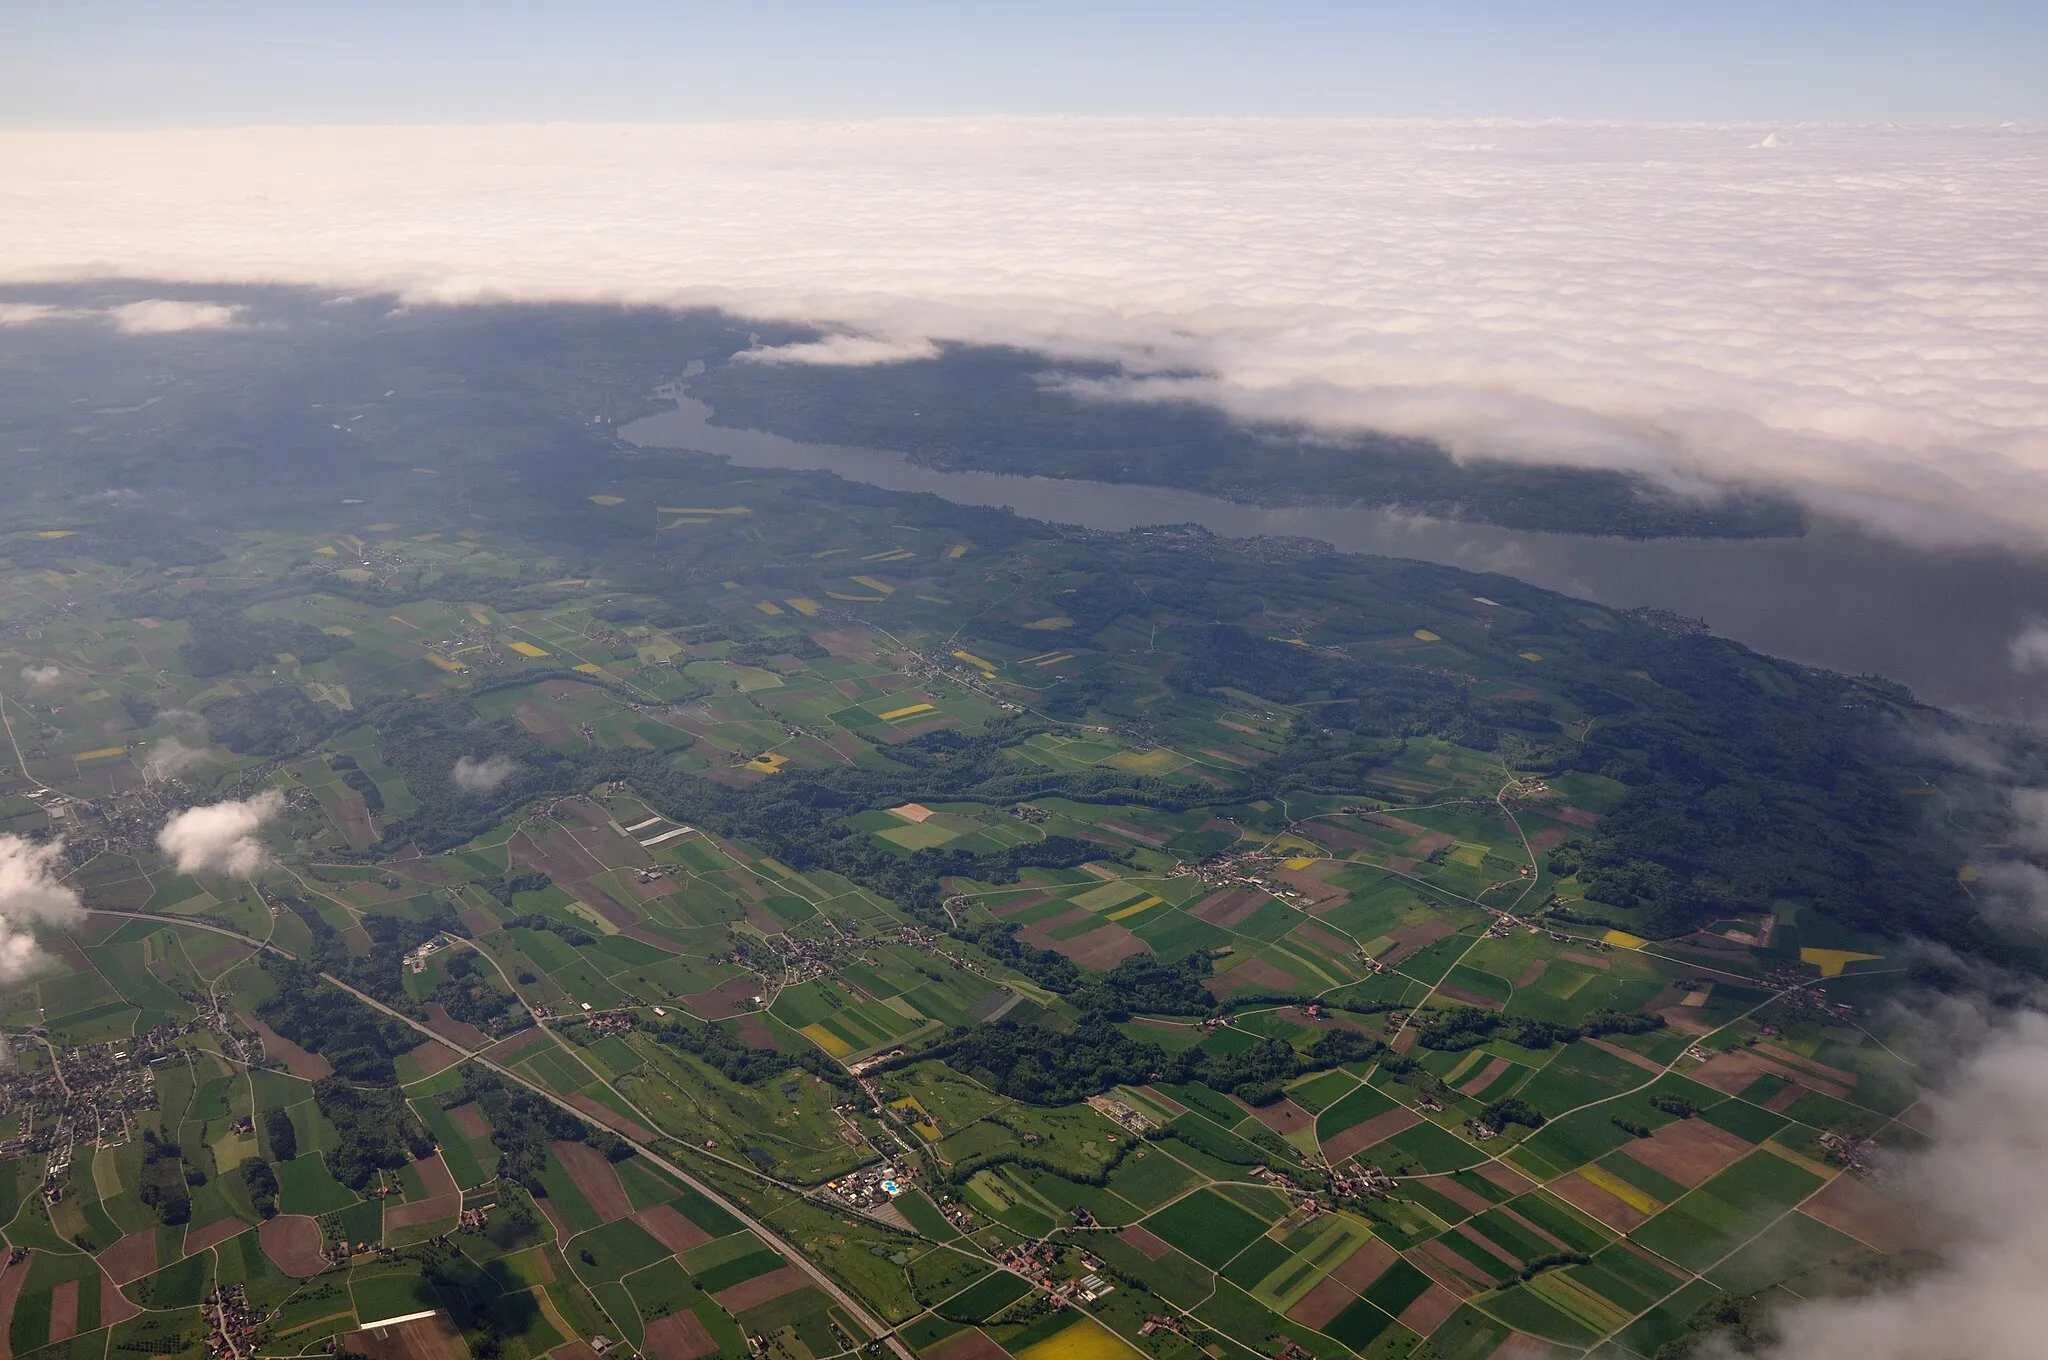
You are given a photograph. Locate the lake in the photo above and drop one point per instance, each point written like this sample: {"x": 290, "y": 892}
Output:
{"x": 1940, "y": 622}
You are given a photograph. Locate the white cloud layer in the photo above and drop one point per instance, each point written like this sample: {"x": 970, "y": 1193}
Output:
{"x": 31, "y": 891}
{"x": 1857, "y": 314}
{"x": 221, "y": 838}
{"x": 1980, "y": 1191}
{"x": 42, "y": 677}
{"x": 481, "y": 776}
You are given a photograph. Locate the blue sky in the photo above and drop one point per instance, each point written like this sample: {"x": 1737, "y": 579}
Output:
{"x": 211, "y": 62}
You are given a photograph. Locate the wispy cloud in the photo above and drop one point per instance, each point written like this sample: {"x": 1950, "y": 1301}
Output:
{"x": 481, "y": 776}
{"x": 1857, "y": 315}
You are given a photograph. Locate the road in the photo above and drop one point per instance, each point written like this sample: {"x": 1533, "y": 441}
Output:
{"x": 854, "y": 1308}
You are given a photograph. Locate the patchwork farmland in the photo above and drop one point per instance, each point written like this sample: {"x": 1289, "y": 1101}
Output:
{"x": 871, "y": 943}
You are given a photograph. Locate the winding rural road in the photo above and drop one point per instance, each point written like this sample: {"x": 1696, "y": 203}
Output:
{"x": 873, "y": 1325}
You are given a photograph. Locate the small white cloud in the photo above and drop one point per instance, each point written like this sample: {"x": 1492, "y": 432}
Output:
{"x": 171, "y": 757}
{"x": 481, "y": 776}
{"x": 42, "y": 677}
{"x": 221, "y": 837}
{"x": 845, "y": 351}
{"x": 161, "y": 316}
{"x": 2030, "y": 649}
{"x": 31, "y": 891}
{"x": 29, "y": 313}
{"x": 2030, "y": 817}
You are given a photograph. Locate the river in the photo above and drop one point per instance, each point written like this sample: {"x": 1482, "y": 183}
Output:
{"x": 1940, "y": 622}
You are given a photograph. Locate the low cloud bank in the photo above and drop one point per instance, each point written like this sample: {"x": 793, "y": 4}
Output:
{"x": 150, "y": 316}
{"x": 1979, "y": 1194}
{"x": 481, "y": 776}
{"x": 221, "y": 838}
{"x": 1856, "y": 315}
{"x": 31, "y": 891}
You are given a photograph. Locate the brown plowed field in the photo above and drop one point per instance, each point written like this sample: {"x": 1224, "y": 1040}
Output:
{"x": 1577, "y": 816}
{"x": 1413, "y": 936}
{"x": 505, "y": 1049}
{"x": 1339, "y": 840}
{"x": 679, "y": 1336}
{"x": 443, "y": 1199}
{"x": 479, "y": 921}
{"x": 1458, "y": 1194}
{"x": 1321, "y": 1304}
{"x": 1485, "y": 1003}
{"x": 1488, "y": 1245}
{"x": 1010, "y": 906}
{"x": 1101, "y": 949}
{"x": 1687, "y": 1150}
{"x": 131, "y": 1258}
{"x": 1581, "y": 1193}
{"x": 1586, "y": 960}
{"x": 754, "y": 1030}
{"x": 213, "y": 1234}
{"x": 547, "y": 1210}
{"x": 1819, "y": 1069}
{"x": 1319, "y": 938}
{"x": 608, "y": 1119}
{"x": 459, "y": 1032}
{"x": 1848, "y": 1205}
{"x": 1393, "y": 823}
{"x": 11, "y": 1281}
{"x": 667, "y": 1226}
{"x": 1361, "y": 1136}
{"x": 595, "y": 1178}
{"x": 727, "y": 999}
{"x": 757, "y": 1291}
{"x": 1362, "y": 1267}
{"x": 1431, "y": 1307}
{"x": 435, "y": 1057}
{"x": 1151, "y": 1247}
{"x": 1448, "y": 1269}
{"x": 1282, "y": 1116}
{"x": 470, "y": 1120}
{"x": 1786, "y": 1098}
{"x": 296, "y": 1060}
{"x": 421, "y": 1211}
{"x": 64, "y": 1311}
{"x": 1627, "y": 1055}
{"x": 1730, "y": 1073}
{"x": 1228, "y": 907}
{"x": 1531, "y": 973}
{"x": 115, "y": 1307}
{"x": 1507, "y": 1178}
{"x": 433, "y": 1338}
{"x": 1153, "y": 1093}
{"x": 292, "y": 1242}
{"x": 645, "y": 936}
{"x": 969, "y": 1345}
{"x": 1548, "y": 838}
{"x": 1254, "y": 973}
